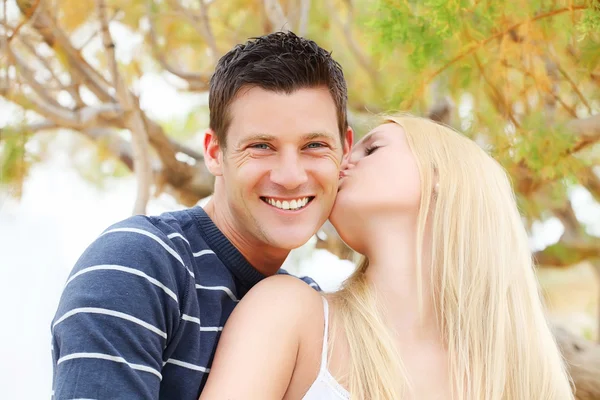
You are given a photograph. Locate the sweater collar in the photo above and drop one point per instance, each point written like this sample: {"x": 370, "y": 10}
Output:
{"x": 225, "y": 250}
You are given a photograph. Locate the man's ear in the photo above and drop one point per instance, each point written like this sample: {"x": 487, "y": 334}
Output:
{"x": 348, "y": 142}
{"x": 213, "y": 154}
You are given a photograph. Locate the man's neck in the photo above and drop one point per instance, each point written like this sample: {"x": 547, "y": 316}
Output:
{"x": 264, "y": 258}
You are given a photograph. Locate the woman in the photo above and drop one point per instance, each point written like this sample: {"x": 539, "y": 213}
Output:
{"x": 445, "y": 304}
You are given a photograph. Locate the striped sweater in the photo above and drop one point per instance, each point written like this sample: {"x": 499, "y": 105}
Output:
{"x": 141, "y": 313}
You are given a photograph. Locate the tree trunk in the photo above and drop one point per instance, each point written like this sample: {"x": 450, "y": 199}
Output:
{"x": 583, "y": 359}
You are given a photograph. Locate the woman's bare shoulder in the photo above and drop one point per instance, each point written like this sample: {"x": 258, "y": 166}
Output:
{"x": 261, "y": 341}
{"x": 284, "y": 293}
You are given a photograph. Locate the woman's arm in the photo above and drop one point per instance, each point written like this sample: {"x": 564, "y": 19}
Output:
{"x": 258, "y": 348}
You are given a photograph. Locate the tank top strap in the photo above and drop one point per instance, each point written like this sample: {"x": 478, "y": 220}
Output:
{"x": 325, "y": 334}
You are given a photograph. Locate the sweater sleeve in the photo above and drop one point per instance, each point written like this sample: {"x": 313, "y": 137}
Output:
{"x": 309, "y": 281}
{"x": 116, "y": 314}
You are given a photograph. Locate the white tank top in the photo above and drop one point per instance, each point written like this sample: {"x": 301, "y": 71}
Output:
{"x": 325, "y": 387}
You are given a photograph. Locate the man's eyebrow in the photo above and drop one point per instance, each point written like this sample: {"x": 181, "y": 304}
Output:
{"x": 319, "y": 135}
{"x": 262, "y": 137}
{"x": 259, "y": 137}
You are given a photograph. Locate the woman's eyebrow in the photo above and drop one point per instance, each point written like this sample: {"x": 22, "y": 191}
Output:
{"x": 370, "y": 137}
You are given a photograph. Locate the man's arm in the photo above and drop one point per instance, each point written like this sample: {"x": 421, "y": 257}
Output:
{"x": 259, "y": 346}
{"x": 115, "y": 316}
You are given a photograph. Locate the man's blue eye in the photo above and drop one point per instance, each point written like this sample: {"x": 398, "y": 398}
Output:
{"x": 261, "y": 146}
{"x": 315, "y": 145}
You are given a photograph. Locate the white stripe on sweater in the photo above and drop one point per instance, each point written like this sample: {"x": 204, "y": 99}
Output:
{"x": 202, "y": 328}
{"x": 179, "y": 235}
{"x": 190, "y": 318}
{"x": 186, "y": 365}
{"x": 107, "y": 357}
{"x": 110, "y": 267}
{"x": 104, "y": 311}
{"x": 197, "y": 254}
{"x": 202, "y": 253}
{"x": 211, "y": 328}
{"x": 156, "y": 239}
{"x": 222, "y": 288}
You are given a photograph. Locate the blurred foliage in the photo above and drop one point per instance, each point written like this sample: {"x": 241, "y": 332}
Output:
{"x": 512, "y": 75}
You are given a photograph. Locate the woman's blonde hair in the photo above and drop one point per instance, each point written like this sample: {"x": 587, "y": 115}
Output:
{"x": 485, "y": 293}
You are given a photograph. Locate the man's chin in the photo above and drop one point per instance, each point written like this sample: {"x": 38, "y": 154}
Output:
{"x": 285, "y": 240}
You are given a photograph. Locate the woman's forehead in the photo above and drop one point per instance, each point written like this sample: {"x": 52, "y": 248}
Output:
{"x": 380, "y": 131}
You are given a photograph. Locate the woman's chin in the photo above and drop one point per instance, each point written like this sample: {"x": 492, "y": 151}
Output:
{"x": 348, "y": 228}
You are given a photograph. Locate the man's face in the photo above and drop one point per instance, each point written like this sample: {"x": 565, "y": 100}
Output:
{"x": 280, "y": 167}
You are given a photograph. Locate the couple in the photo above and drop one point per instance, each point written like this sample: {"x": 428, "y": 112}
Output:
{"x": 445, "y": 304}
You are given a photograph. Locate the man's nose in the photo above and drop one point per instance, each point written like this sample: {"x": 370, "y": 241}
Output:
{"x": 289, "y": 171}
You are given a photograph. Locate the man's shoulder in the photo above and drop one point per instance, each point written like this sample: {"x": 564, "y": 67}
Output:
{"x": 141, "y": 242}
{"x": 167, "y": 225}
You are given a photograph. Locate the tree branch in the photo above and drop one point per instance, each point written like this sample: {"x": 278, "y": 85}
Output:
{"x": 275, "y": 15}
{"x": 583, "y": 362}
{"x": 564, "y": 254}
{"x": 200, "y": 23}
{"x": 574, "y": 87}
{"x": 500, "y": 102}
{"x": 29, "y": 76}
{"x": 180, "y": 148}
{"x": 196, "y": 82}
{"x": 303, "y": 20}
{"x": 441, "y": 111}
{"x": 573, "y": 229}
{"x": 208, "y": 33}
{"x": 355, "y": 49}
{"x": 473, "y": 47}
{"x": 109, "y": 46}
{"x": 119, "y": 148}
{"x": 4, "y": 84}
{"x": 188, "y": 184}
{"x": 30, "y": 14}
{"x": 71, "y": 89}
{"x": 60, "y": 42}
{"x": 591, "y": 181}
{"x": 84, "y": 118}
{"x": 29, "y": 129}
{"x": 133, "y": 120}
{"x": 587, "y": 131}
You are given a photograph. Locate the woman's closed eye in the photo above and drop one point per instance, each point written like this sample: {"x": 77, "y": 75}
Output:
{"x": 370, "y": 150}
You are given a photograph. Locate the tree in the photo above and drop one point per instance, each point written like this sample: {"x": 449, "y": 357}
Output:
{"x": 522, "y": 78}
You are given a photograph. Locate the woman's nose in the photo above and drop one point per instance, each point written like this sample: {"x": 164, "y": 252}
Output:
{"x": 344, "y": 165}
{"x": 347, "y": 164}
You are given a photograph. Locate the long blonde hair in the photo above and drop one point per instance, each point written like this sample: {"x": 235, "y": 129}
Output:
{"x": 485, "y": 293}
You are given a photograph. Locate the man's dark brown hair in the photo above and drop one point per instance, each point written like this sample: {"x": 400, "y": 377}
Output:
{"x": 280, "y": 62}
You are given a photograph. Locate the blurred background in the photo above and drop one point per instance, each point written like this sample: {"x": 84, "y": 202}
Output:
{"x": 103, "y": 106}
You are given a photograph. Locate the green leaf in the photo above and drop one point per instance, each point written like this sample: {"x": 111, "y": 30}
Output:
{"x": 14, "y": 161}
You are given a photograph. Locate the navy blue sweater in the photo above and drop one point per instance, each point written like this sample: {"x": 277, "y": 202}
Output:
{"x": 143, "y": 308}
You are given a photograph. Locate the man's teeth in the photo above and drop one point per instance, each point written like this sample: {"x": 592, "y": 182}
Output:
{"x": 288, "y": 205}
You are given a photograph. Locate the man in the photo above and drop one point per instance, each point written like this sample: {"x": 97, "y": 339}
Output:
{"x": 142, "y": 311}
